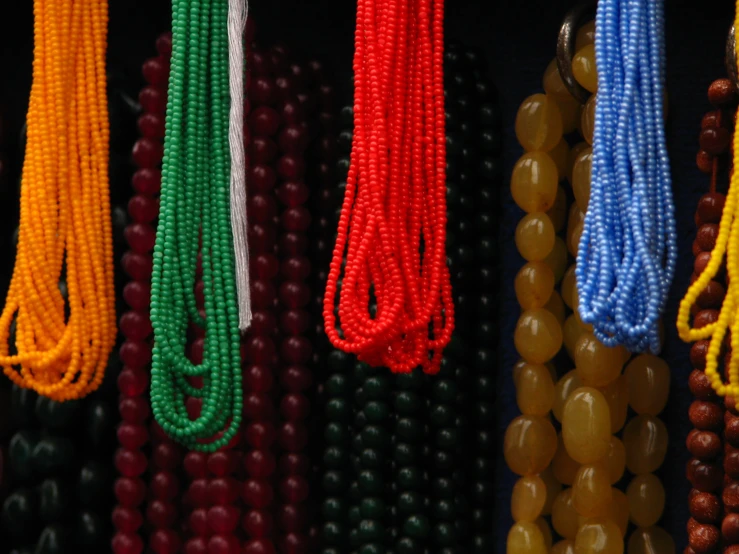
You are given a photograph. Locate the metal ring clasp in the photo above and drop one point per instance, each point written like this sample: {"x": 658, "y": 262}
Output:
{"x": 566, "y": 47}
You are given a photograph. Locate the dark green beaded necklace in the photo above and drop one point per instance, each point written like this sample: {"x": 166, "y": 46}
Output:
{"x": 194, "y": 207}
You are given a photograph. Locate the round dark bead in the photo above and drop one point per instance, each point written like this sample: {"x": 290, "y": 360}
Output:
{"x": 711, "y": 206}
{"x": 372, "y": 548}
{"x": 443, "y": 461}
{"x": 409, "y": 429}
{"x": 376, "y": 411}
{"x": 444, "y": 534}
{"x": 337, "y": 409}
{"x": 731, "y": 430}
{"x": 441, "y": 414}
{"x": 700, "y": 385}
{"x": 334, "y": 482}
{"x": 375, "y": 437}
{"x": 703, "y": 538}
{"x": 705, "y": 415}
{"x": 443, "y": 509}
{"x": 372, "y": 508}
{"x": 370, "y": 482}
{"x": 721, "y": 92}
{"x": 730, "y": 528}
{"x": 410, "y": 478}
{"x": 335, "y": 433}
{"x": 704, "y": 507}
{"x": 407, "y": 402}
{"x": 354, "y": 515}
{"x": 405, "y": 453}
{"x": 409, "y": 381}
{"x": 714, "y": 140}
{"x": 335, "y": 457}
{"x": 407, "y": 545}
{"x": 446, "y": 438}
{"x": 409, "y": 502}
{"x": 333, "y": 509}
{"x": 730, "y": 496}
{"x": 442, "y": 487}
{"x": 333, "y": 533}
{"x": 416, "y": 526}
{"x": 376, "y": 387}
{"x": 371, "y": 530}
{"x": 444, "y": 390}
{"x": 371, "y": 459}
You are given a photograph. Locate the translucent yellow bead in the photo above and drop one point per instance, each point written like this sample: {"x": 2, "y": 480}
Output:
{"x": 569, "y": 382}
{"x": 618, "y": 511}
{"x": 565, "y": 546}
{"x": 645, "y": 439}
{"x": 581, "y": 177}
{"x": 615, "y": 460}
{"x": 587, "y": 120}
{"x": 534, "y": 181}
{"x": 573, "y": 240}
{"x": 563, "y": 466}
{"x": 557, "y": 259}
{"x": 597, "y": 365}
{"x": 564, "y": 516}
{"x": 535, "y": 391}
{"x": 568, "y": 287}
{"x": 557, "y": 307}
{"x": 538, "y": 123}
{"x": 553, "y": 84}
{"x": 591, "y": 490}
{"x": 600, "y": 536}
{"x": 585, "y": 35}
{"x": 560, "y": 154}
{"x": 569, "y": 109}
{"x": 583, "y": 68}
{"x": 535, "y": 236}
{"x": 538, "y": 336}
{"x": 525, "y": 538}
{"x": 528, "y": 498}
{"x": 529, "y": 444}
{"x": 575, "y": 222}
{"x": 534, "y": 284}
{"x": 616, "y": 394}
{"x": 648, "y": 379}
{"x": 586, "y": 425}
{"x": 574, "y": 153}
{"x": 650, "y": 540}
{"x": 517, "y": 368}
{"x": 554, "y": 487}
{"x": 571, "y": 333}
{"x": 585, "y": 326}
{"x": 646, "y": 499}
{"x": 546, "y": 532}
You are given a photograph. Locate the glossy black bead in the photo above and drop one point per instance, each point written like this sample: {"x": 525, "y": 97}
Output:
{"x": 334, "y": 482}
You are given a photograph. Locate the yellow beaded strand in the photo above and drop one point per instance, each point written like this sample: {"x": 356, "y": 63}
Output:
{"x": 65, "y": 212}
{"x": 727, "y": 243}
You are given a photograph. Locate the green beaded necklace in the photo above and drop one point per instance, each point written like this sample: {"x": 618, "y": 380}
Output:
{"x": 194, "y": 204}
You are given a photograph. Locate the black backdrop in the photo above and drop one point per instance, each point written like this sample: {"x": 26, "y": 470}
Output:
{"x": 518, "y": 37}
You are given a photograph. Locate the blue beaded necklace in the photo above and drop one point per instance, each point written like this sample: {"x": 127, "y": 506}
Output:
{"x": 627, "y": 253}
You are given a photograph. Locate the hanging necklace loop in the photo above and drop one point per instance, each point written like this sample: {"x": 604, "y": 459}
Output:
{"x": 566, "y": 47}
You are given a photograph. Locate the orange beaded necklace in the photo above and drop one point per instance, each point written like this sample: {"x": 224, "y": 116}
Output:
{"x": 65, "y": 227}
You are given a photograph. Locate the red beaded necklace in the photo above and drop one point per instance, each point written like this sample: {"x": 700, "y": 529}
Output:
{"x": 392, "y": 229}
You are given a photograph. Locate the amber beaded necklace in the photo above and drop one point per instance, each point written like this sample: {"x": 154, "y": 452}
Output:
{"x": 65, "y": 226}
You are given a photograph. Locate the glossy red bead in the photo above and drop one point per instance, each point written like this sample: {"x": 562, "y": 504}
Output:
{"x": 131, "y": 435}
{"x": 296, "y": 268}
{"x": 148, "y": 153}
{"x": 259, "y": 463}
{"x": 295, "y": 322}
{"x": 132, "y": 382}
{"x": 292, "y": 139}
{"x": 196, "y": 464}
{"x": 262, "y": 238}
{"x": 260, "y": 434}
{"x": 294, "y": 489}
{"x": 147, "y": 181}
{"x": 137, "y": 295}
{"x": 296, "y": 350}
{"x": 293, "y": 193}
{"x": 259, "y": 350}
{"x": 296, "y": 378}
{"x": 265, "y": 266}
{"x": 292, "y": 518}
{"x": 259, "y": 546}
{"x": 153, "y": 100}
{"x": 263, "y": 322}
{"x": 161, "y": 514}
{"x": 261, "y": 90}
{"x": 130, "y": 463}
{"x": 257, "y": 493}
{"x": 197, "y": 545}
{"x": 127, "y": 520}
{"x": 165, "y": 541}
{"x": 258, "y": 378}
{"x": 133, "y": 409}
{"x": 294, "y": 463}
{"x": 262, "y": 178}
{"x": 284, "y": 88}
{"x": 262, "y": 150}
{"x": 127, "y": 543}
{"x": 135, "y": 326}
{"x": 164, "y": 45}
{"x": 296, "y": 219}
{"x": 258, "y": 407}
{"x": 261, "y": 208}
{"x": 294, "y": 543}
{"x": 263, "y": 294}
{"x": 714, "y": 140}
{"x": 290, "y": 167}
{"x": 293, "y": 112}
{"x": 223, "y": 518}
{"x": 293, "y": 436}
{"x": 129, "y": 491}
{"x": 258, "y": 62}
{"x": 198, "y": 522}
{"x": 263, "y": 120}
{"x": 223, "y": 544}
{"x": 151, "y": 125}
{"x": 165, "y": 485}
{"x": 223, "y": 490}
{"x": 711, "y": 206}
{"x": 293, "y": 244}
{"x": 222, "y": 463}
{"x": 294, "y": 294}
{"x": 167, "y": 456}
{"x": 294, "y": 407}
{"x": 197, "y": 348}
{"x": 137, "y": 266}
{"x": 257, "y": 523}
{"x": 143, "y": 208}
{"x": 197, "y": 493}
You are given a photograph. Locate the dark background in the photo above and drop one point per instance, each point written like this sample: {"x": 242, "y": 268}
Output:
{"x": 518, "y": 37}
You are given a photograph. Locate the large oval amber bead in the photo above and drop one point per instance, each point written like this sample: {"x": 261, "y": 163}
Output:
{"x": 566, "y": 385}
{"x": 651, "y": 540}
{"x": 534, "y": 284}
{"x": 616, "y": 460}
{"x": 645, "y": 439}
{"x": 529, "y": 444}
{"x": 535, "y": 236}
{"x": 648, "y": 378}
{"x": 538, "y": 336}
{"x": 538, "y": 123}
{"x": 557, "y": 259}
{"x": 583, "y": 68}
{"x": 585, "y": 35}
{"x": 565, "y": 546}
{"x": 601, "y": 536}
{"x": 554, "y": 487}
{"x": 525, "y": 538}
{"x": 565, "y": 518}
{"x": 586, "y": 425}
{"x": 534, "y": 182}
{"x": 535, "y": 391}
{"x": 597, "y": 364}
{"x": 581, "y": 177}
{"x": 528, "y": 498}
{"x": 587, "y": 120}
{"x": 591, "y": 490}
{"x": 646, "y": 500}
{"x": 571, "y": 333}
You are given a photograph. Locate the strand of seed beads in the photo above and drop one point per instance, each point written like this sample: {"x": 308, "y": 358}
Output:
{"x": 706, "y": 412}
{"x": 135, "y": 352}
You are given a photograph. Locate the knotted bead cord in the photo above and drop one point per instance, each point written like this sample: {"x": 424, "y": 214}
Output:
{"x": 65, "y": 227}
{"x": 194, "y": 204}
{"x": 626, "y": 259}
{"x": 392, "y": 224}
{"x": 727, "y": 243}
